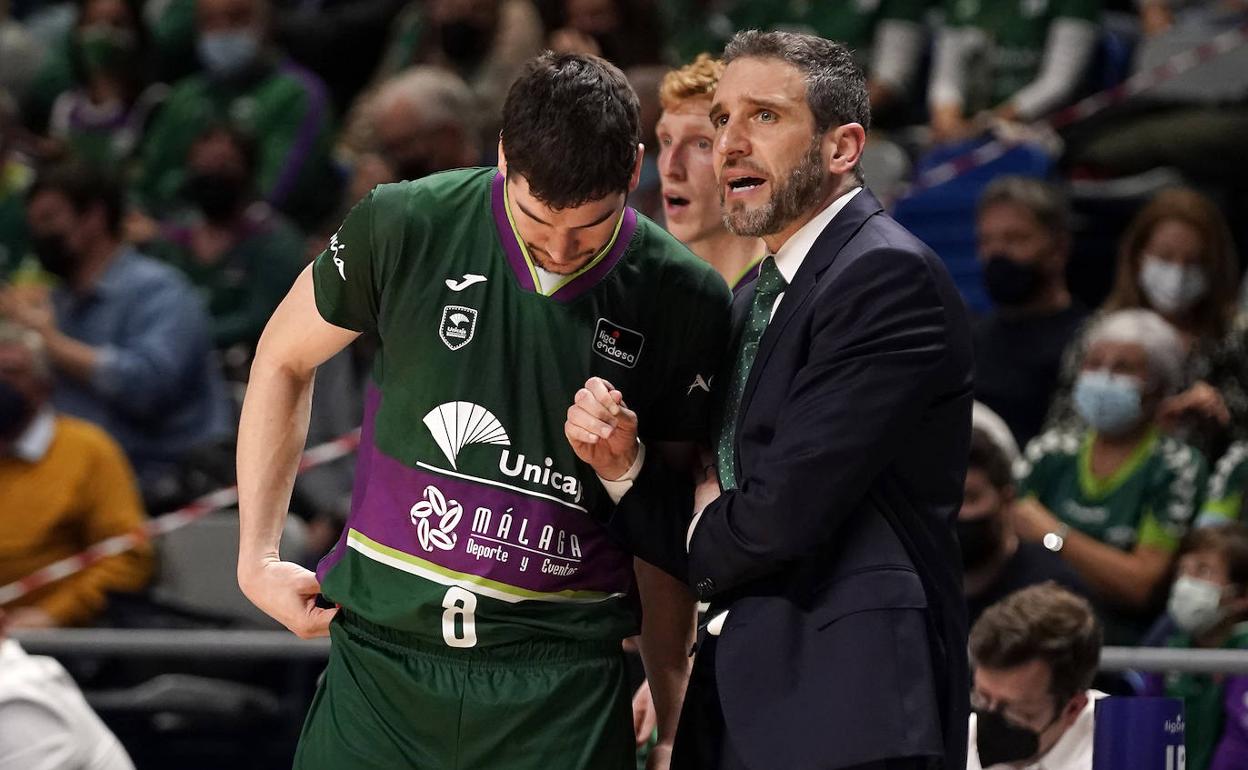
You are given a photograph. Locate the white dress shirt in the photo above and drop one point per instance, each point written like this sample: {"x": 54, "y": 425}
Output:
{"x": 1073, "y": 751}
{"x": 47, "y": 724}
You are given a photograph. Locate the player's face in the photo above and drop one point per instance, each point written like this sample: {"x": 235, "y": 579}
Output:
{"x": 769, "y": 161}
{"x": 562, "y": 240}
{"x": 687, "y": 172}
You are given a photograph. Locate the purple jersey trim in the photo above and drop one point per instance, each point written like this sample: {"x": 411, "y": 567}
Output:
{"x": 520, "y": 266}
{"x": 452, "y": 523}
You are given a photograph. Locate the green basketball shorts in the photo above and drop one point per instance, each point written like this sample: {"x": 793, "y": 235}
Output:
{"x": 390, "y": 702}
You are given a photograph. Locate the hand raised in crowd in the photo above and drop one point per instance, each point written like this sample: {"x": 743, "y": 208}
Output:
{"x": 287, "y": 593}
{"x": 1200, "y": 400}
{"x": 1032, "y": 521}
{"x": 602, "y": 429}
{"x": 29, "y": 306}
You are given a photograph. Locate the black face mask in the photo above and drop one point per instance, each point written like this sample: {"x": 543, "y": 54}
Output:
{"x": 464, "y": 43}
{"x": 15, "y": 411}
{"x": 980, "y": 540}
{"x": 999, "y": 740}
{"x": 54, "y": 255}
{"x": 1010, "y": 283}
{"x": 218, "y": 196}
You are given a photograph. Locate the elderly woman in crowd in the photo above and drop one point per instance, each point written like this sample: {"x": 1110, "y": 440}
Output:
{"x": 1116, "y": 497}
{"x": 1178, "y": 260}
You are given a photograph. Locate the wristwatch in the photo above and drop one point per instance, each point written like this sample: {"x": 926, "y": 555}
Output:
{"x": 1056, "y": 539}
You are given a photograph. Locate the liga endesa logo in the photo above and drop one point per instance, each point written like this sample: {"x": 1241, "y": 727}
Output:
{"x": 618, "y": 344}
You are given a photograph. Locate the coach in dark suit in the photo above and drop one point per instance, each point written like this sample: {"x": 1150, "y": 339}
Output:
{"x": 837, "y": 631}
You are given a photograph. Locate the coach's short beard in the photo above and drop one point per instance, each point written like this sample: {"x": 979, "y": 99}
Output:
{"x": 800, "y": 192}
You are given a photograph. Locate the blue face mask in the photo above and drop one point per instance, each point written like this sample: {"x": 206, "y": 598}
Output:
{"x": 1110, "y": 403}
{"x": 228, "y": 53}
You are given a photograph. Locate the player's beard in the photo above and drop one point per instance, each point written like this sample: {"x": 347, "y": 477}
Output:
{"x": 800, "y": 191}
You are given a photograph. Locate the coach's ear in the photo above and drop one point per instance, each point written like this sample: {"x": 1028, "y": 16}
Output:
{"x": 632, "y": 183}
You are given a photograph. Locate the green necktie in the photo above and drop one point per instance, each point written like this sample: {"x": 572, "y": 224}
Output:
{"x": 771, "y": 284}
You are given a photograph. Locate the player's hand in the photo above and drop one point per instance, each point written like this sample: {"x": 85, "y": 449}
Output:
{"x": 287, "y": 593}
{"x": 645, "y": 718}
{"x": 602, "y": 429}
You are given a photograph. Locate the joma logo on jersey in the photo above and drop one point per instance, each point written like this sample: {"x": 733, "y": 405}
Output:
{"x": 459, "y": 323}
{"x": 618, "y": 344}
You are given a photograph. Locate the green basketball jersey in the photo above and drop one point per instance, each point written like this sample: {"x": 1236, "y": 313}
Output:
{"x": 1224, "y": 500}
{"x": 473, "y": 523}
{"x": 1150, "y": 501}
{"x": 1017, "y": 32}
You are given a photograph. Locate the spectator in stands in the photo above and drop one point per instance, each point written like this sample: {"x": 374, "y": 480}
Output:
{"x": 247, "y": 81}
{"x": 995, "y": 562}
{"x": 621, "y": 31}
{"x": 65, "y": 485}
{"x": 887, "y": 37}
{"x": 422, "y": 121}
{"x": 1178, "y": 259}
{"x": 483, "y": 41}
{"x": 1035, "y": 655}
{"x": 1224, "y": 497}
{"x": 691, "y": 200}
{"x": 1023, "y": 242}
{"x": 20, "y": 55}
{"x": 241, "y": 254}
{"x": 1209, "y": 605}
{"x": 47, "y": 723}
{"x": 129, "y": 339}
{"x": 1115, "y": 499}
{"x": 15, "y": 180}
{"x": 102, "y": 119}
{"x": 1011, "y": 61}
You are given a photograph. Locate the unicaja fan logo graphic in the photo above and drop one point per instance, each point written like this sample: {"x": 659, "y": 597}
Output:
{"x": 457, "y": 424}
{"x": 435, "y": 509}
{"x": 459, "y": 323}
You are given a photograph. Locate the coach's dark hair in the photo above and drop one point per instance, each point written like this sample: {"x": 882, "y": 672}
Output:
{"x": 571, "y": 126}
{"x": 1042, "y": 622}
{"x": 84, "y": 185}
{"x": 836, "y": 88}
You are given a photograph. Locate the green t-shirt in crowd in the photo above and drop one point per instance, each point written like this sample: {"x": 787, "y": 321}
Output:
{"x": 1150, "y": 501}
{"x": 1017, "y": 32}
{"x": 1204, "y": 696}
{"x": 243, "y": 287}
{"x": 1224, "y": 500}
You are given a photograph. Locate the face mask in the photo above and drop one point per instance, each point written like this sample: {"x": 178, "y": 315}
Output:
{"x": 217, "y": 196}
{"x": 1172, "y": 288}
{"x": 226, "y": 54}
{"x": 463, "y": 42}
{"x": 1110, "y": 403}
{"x": 15, "y": 410}
{"x": 1010, "y": 283}
{"x": 980, "y": 540}
{"x": 54, "y": 255}
{"x": 1195, "y": 605}
{"x": 106, "y": 49}
{"x": 999, "y": 740}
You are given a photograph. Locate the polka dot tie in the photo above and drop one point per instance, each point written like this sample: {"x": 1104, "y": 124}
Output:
{"x": 770, "y": 285}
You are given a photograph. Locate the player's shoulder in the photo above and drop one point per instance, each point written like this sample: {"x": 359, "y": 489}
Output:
{"x": 444, "y": 190}
{"x": 675, "y": 268}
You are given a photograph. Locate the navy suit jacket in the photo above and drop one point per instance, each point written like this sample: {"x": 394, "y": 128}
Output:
{"x": 846, "y": 640}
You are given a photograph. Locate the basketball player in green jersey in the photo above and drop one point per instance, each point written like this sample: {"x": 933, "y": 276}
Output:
{"x": 480, "y": 604}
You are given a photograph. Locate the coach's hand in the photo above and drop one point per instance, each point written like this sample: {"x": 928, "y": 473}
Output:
{"x": 287, "y": 593}
{"x": 602, "y": 429}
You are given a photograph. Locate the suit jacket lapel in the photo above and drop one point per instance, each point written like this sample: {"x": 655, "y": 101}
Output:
{"x": 823, "y": 253}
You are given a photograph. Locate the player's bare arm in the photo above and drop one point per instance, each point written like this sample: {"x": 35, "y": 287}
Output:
{"x": 271, "y": 436}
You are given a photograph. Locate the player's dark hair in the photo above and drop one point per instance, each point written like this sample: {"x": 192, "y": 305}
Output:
{"x": 84, "y": 186}
{"x": 571, "y": 126}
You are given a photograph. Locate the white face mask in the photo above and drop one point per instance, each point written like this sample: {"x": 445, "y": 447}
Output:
{"x": 1171, "y": 288}
{"x": 1195, "y": 605}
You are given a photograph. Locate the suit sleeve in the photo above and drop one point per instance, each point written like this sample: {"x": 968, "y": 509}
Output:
{"x": 878, "y": 350}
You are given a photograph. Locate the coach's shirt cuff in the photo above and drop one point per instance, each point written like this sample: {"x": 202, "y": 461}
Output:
{"x": 616, "y": 489}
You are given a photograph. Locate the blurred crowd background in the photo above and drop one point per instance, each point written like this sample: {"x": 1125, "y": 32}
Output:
{"x": 167, "y": 167}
